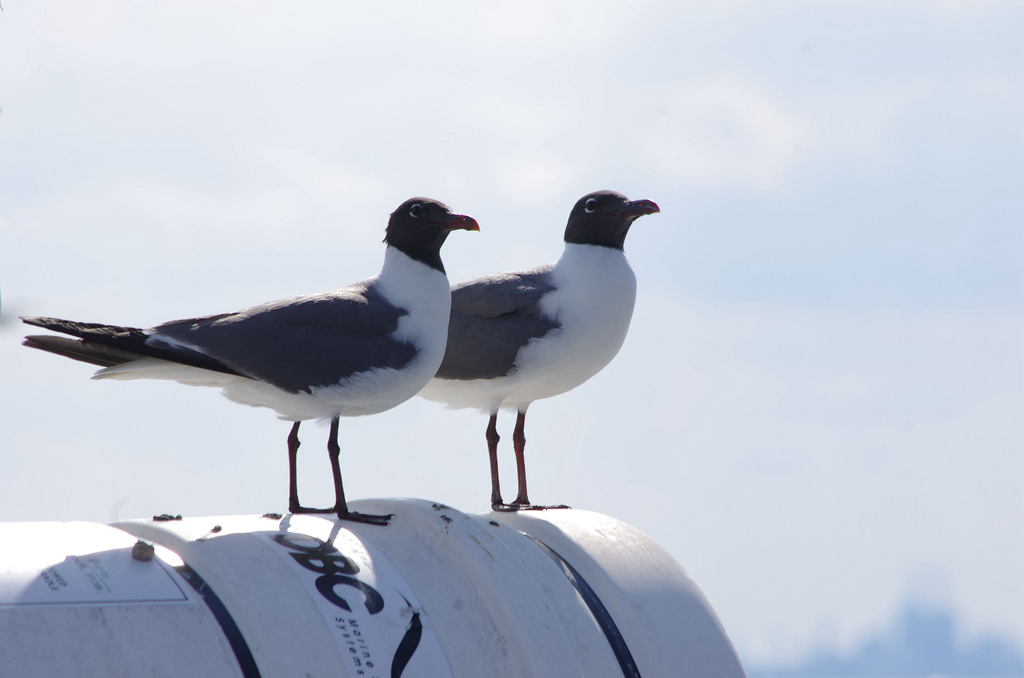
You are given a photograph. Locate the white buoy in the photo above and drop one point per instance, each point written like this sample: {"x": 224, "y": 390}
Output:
{"x": 437, "y": 593}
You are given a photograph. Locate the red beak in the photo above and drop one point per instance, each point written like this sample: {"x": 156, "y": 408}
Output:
{"x": 459, "y": 221}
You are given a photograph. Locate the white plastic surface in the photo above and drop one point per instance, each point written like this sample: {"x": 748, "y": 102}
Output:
{"x": 73, "y": 602}
{"x": 436, "y": 593}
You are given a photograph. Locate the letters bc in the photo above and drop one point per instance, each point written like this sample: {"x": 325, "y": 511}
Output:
{"x": 334, "y": 570}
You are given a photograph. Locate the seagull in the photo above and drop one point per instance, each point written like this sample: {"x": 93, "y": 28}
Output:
{"x": 521, "y": 336}
{"x": 353, "y": 351}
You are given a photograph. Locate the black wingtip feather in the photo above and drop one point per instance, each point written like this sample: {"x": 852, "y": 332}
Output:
{"x": 77, "y": 349}
{"x": 96, "y": 331}
{"x": 108, "y": 345}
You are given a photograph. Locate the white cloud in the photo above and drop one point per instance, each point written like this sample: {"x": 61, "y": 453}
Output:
{"x": 725, "y": 132}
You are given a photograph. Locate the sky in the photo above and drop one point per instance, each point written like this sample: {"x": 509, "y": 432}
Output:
{"x": 817, "y": 410}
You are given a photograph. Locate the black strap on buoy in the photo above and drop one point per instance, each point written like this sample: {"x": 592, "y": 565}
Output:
{"x": 597, "y": 609}
{"x": 243, "y": 654}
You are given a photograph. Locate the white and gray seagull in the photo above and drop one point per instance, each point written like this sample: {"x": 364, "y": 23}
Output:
{"x": 518, "y": 337}
{"x": 357, "y": 350}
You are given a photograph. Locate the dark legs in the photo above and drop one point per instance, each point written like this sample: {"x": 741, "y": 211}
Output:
{"x": 522, "y": 502}
{"x": 334, "y": 450}
{"x": 293, "y": 483}
{"x": 492, "y": 449}
{"x": 519, "y": 444}
{"x": 340, "y": 505}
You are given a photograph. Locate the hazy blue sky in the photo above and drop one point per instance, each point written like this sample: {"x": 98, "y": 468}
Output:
{"x": 818, "y": 410}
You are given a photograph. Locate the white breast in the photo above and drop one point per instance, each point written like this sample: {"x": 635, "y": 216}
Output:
{"x": 593, "y": 301}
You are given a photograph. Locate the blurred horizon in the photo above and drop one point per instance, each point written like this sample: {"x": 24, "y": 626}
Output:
{"x": 921, "y": 639}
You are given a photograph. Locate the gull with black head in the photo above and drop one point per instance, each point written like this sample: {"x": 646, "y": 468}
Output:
{"x": 526, "y": 335}
{"x": 353, "y": 351}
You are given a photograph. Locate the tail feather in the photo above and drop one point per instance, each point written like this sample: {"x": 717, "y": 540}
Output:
{"x": 121, "y": 337}
{"x": 78, "y": 349}
{"x": 109, "y": 345}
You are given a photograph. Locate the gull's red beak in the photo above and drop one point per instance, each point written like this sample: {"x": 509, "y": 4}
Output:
{"x": 459, "y": 221}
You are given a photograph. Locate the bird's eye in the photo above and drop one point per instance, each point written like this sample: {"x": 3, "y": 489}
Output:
{"x": 416, "y": 210}
{"x": 590, "y": 205}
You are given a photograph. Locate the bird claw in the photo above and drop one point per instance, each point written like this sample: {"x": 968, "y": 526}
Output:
{"x": 366, "y": 518}
{"x": 353, "y": 516}
{"x": 515, "y": 506}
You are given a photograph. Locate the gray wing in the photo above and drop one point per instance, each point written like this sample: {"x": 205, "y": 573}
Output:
{"x": 492, "y": 319}
{"x": 297, "y": 344}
